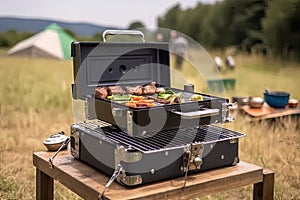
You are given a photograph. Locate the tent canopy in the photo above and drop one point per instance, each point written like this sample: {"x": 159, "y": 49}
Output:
{"x": 52, "y": 42}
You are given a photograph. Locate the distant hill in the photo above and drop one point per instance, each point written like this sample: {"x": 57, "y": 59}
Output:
{"x": 36, "y": 25}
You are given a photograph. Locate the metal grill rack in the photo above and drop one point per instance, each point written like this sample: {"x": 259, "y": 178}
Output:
{"x": 166, "y": 139}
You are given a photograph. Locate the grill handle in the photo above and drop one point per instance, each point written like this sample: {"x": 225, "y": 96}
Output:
{"x": 122, "y": 32}
{"x": 197, "y": 114}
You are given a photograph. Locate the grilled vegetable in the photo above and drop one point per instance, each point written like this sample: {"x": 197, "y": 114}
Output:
{"x": 171, "y": 97}
{"x": 169, "y": 92}
{"x": 180, "y": 95}
{"x": 137, "y": 98}
{"x": 117, "y": 97}
{"x": 163, "y": 96}
{"x": 131, "y": 104}
{"x": 140, "y": 103}
{"x": 196, "y": 97}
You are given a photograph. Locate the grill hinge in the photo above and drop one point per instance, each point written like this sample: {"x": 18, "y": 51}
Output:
{"x": 121, "y": 154}
{"x": 225, "y": 113}
{"x": 74, "y": 142}
{"x": 129, "y": 180}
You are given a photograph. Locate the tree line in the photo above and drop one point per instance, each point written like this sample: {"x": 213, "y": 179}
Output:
{"x": 252, "y": 26}
{"x": 261, "y": 26}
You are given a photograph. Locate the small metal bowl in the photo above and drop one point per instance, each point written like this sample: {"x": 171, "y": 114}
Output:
{"x": 293, "y": 103}
{"x": 55, "y": 141}
{"x": 256, "y": 102}
{"x": 241, "y": 101}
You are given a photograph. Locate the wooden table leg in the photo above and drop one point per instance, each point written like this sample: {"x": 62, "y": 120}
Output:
{"x": 265, "y": 190}
{"x": 44, "y": 186}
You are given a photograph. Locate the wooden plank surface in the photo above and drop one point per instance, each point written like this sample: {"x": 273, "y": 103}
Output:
{"x": 88, "y": 183}
{"x": 268, "y": 113}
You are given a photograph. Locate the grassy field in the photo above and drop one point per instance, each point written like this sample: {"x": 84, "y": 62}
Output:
{"x": 35, "y": 101}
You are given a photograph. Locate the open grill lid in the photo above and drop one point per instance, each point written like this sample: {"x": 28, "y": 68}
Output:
{"x": 103, "y": 64}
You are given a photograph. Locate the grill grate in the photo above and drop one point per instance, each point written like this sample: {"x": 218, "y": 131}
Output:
{"x": 165, "y": 139}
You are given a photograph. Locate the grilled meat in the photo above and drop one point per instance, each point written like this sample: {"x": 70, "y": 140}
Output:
{"x": 160, "y": 90}
{"x": 114, "y": 90}
{"x": 137, "y": 90}
{"x": 149, "y": 89}
{"x": 129, "y": 90}
{"x": 101, "y": 92}
{"x": 162, "y": 101}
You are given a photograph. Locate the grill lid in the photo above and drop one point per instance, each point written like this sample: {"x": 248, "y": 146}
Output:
{"x": 103, "y": 64}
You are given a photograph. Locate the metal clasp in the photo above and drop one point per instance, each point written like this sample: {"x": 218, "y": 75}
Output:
{"x": 192, "y": 158}
{"x": 112, "y": 178}
{"x": 64, "y": 144}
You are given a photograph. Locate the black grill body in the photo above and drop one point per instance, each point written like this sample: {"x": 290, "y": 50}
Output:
{"x": 163, "y": 155}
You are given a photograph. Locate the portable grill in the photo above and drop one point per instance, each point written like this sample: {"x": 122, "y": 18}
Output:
{"x": 142, "y": 145}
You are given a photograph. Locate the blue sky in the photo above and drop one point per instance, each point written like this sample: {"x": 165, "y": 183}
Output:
{"x": 110, "y": 12}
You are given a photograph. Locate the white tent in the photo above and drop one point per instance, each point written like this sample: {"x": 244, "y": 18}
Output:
{"x": 53, "y": 42}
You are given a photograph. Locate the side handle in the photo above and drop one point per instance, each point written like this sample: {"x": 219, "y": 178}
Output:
{"x": 197, "y": 114}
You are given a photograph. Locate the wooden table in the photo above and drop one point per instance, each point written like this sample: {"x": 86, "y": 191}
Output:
{"x": 264, "y": 113}
{"x": 88, "y": 183}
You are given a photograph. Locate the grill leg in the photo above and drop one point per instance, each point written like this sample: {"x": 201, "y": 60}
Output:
{"x": 265, "y": 190}
{"x": 44, "y": 186}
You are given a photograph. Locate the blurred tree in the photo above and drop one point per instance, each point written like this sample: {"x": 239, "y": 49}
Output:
{"x": 191, "y": 20}
{"x": 243, "y": 22}
{"x": 97, "y": 37}
{"x": 212, "y": 32}
{"x": 281, "y": 27}
{"x": 71, "y": 33}
{"x": 171, "y": 18}
{"x": 224, "y": 23}
{"x": 11, "y": 37}
{"x": 136, "y": 25}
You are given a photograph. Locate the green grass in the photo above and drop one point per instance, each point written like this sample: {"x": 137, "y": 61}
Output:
{"x": 35, "y": 101}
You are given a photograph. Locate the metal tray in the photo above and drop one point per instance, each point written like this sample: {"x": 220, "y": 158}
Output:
{"x": 109, "y": 64}
{"x": 141, "y": 121}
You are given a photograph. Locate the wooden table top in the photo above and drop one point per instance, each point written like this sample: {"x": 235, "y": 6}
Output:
{"x": 266, "y": 112}
{"x": 88, "y": 182}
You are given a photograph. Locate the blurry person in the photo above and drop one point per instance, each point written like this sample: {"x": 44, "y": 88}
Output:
{"x": 159, "y": 37}
{"x": 219, "y": 63}
{"x": 178, "y": 46}
{"x": 230, "y": 63}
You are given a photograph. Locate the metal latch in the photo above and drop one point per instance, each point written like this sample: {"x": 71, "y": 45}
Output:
{"x": 192, "y": 159}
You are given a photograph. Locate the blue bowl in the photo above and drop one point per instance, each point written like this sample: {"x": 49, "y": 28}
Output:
{"x": 277, "y": 99}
